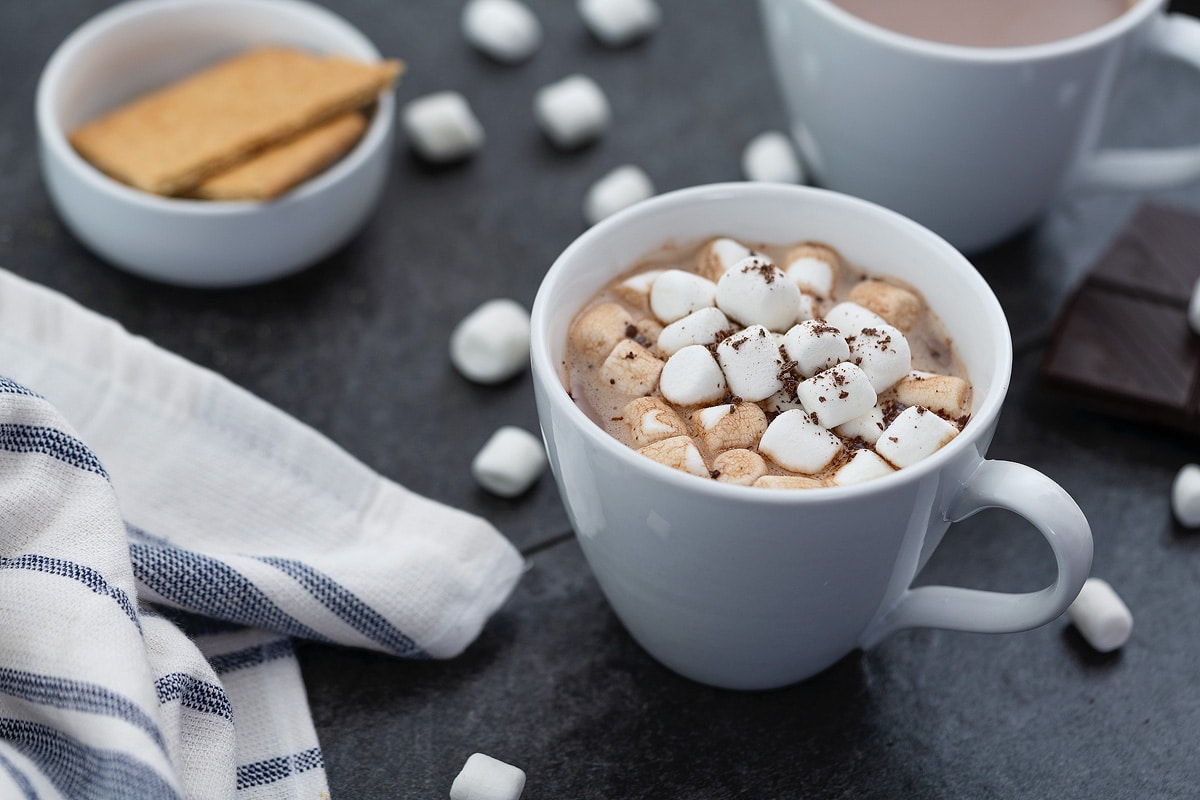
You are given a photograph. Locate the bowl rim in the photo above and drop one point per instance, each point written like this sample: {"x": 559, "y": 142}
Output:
{"x": 108, "y": 23}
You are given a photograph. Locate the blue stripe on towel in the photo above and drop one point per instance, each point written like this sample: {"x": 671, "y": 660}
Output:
{"x": 89, "y": 577}
{"x": 276, "y": 769}
{"x": 17, "y": 438}
{"x": 252, "y": 656}
{"x": 209, "y": 586}
{"x": 76, "y": 695}
{"x": 193, "y": 693}
{"x": 82, "y": 772}
{"x": 18, "y": 777}
{"x": 349, "y": 608}
{"x": 9, "y": 386}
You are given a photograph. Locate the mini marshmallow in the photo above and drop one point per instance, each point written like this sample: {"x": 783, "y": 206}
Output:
{"x": 850, "y": 318}
{"x": 863, "y": 465}
{"x": 796, "y": 443}
{"x": 770, "y": 157}
{"x": 751, "y": 362}
{"x": 943, "y": 394}
{"x": 1100, "y": 616}
{"x": 900, "y": 307}
{"x": 815, "y": 345}
{"x": 1194, "y": 308}
{"x": 839, "y": 394}
{"x": 441, "y": 127}
{"x": 617, "y": 23}
{"x": 678, "y": 452}
{"x": 813, "y": 267}
{"x": 783, "y": 400}
{"x": 810, "y": 307}
{"x": 487, "y": 778}
{"x": 651, "y": 419}
{"x": 787, "y": 482}
{"x": 739, "y": 466}
{"x": 677, "y": 293}
{"x": 756, "y": 292}
{"x": 1185, "y": 496}
{"x": 720, "y": 254}
{"x": 491, "y": 344}
{"x": 868, "y": 427}
{"x": 572, "y": 111}
{"x": 631, "y": 368}
{"x": 509, "y": 462}
{"x": 635, "y": 289}
{"x": 648, "y": 331}
{"x": 729, "y": 426}
{"x": 703, "y": 326}
{"x": 619, "y": 189}
{"x": 913, "y": 435}
{"x": 692, "y": 376}
{"x": 883, "y": 354}
{"x": 597, "y": 330}
{"x": 506, "y": 30}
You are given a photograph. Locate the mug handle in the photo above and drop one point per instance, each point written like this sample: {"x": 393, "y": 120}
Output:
{"x": 1144, "y": 169}
{"x": 1030, "y": 494}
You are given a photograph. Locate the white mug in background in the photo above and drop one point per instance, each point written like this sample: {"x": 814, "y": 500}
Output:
{"x": 752, "y": 588}
{"x": 975, "y": 143}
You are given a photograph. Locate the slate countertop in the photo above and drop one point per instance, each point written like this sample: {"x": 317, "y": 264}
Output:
{"x": 356, "y": 347}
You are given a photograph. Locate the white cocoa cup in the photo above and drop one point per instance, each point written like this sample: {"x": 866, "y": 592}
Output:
{"x": 753, "y": 588}
{"x": 975, "y": 143}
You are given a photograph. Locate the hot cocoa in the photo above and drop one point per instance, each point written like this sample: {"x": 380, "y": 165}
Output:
{"x": 769, "y": 365}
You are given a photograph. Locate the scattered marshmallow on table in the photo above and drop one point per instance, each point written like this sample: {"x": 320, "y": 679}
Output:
{"x": 487, "y": 778}
{"x": 676, "y": 293}
{"x": 509, "y": 462}
{"x": 751, "y": 362}
{"x": 1185, "y": 496}
{"x": 1100, "y": 616}
{"x": 914, "y": 434}
{"x": 692, "y": 376}
{"x": 617, "y": 190}
{"x": 572, "y": 111}
{"x": 491, "y": 344}
{"x": 441, "y": 127}
{"x": 756, "y": 292}
{"x": 506, "y": 30}
{"x": 769, "y": 157}
{"x": 619, "y": 22}
{"x": 796, "y": 443}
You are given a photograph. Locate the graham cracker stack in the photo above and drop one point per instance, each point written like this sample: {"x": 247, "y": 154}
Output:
{"x": 171, "y": 140}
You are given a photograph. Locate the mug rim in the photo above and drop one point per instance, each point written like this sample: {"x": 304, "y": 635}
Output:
{"x": 1133, "y": 16}
{"x": 545, "y": 371}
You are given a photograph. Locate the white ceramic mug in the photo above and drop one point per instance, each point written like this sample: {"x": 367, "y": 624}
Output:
{"x": 751, "y": 588}
{"x": 975, "y": 143}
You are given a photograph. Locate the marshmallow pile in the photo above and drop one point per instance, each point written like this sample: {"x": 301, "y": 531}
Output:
{"x": 751, "y": 372}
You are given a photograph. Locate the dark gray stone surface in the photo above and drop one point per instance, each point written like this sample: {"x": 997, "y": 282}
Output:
{"x": 356, "y": 347}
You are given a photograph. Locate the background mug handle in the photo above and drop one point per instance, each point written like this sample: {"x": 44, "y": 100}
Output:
{"x": 1144, "y": 169}
{"x": 1030, "y": 494}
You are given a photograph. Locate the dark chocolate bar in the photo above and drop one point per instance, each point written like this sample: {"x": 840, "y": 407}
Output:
{"x": 1122, "y": 344}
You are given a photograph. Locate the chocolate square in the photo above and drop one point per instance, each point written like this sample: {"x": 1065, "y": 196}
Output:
{"x": 1122, "y": 344}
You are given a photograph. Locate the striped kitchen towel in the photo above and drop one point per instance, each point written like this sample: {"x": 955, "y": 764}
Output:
{"x": 163, "y": 537}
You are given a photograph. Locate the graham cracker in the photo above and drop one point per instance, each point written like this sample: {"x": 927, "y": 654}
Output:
{"x": 278, "y": 168}
{"x": 170, "y": 140}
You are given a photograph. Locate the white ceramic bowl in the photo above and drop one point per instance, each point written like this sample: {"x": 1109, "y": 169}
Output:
{"x": 143, "y": 44}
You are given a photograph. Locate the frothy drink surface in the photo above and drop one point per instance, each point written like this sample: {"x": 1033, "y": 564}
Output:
{"x": 988, "y": 23}
{"x": 894, "y": 392}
